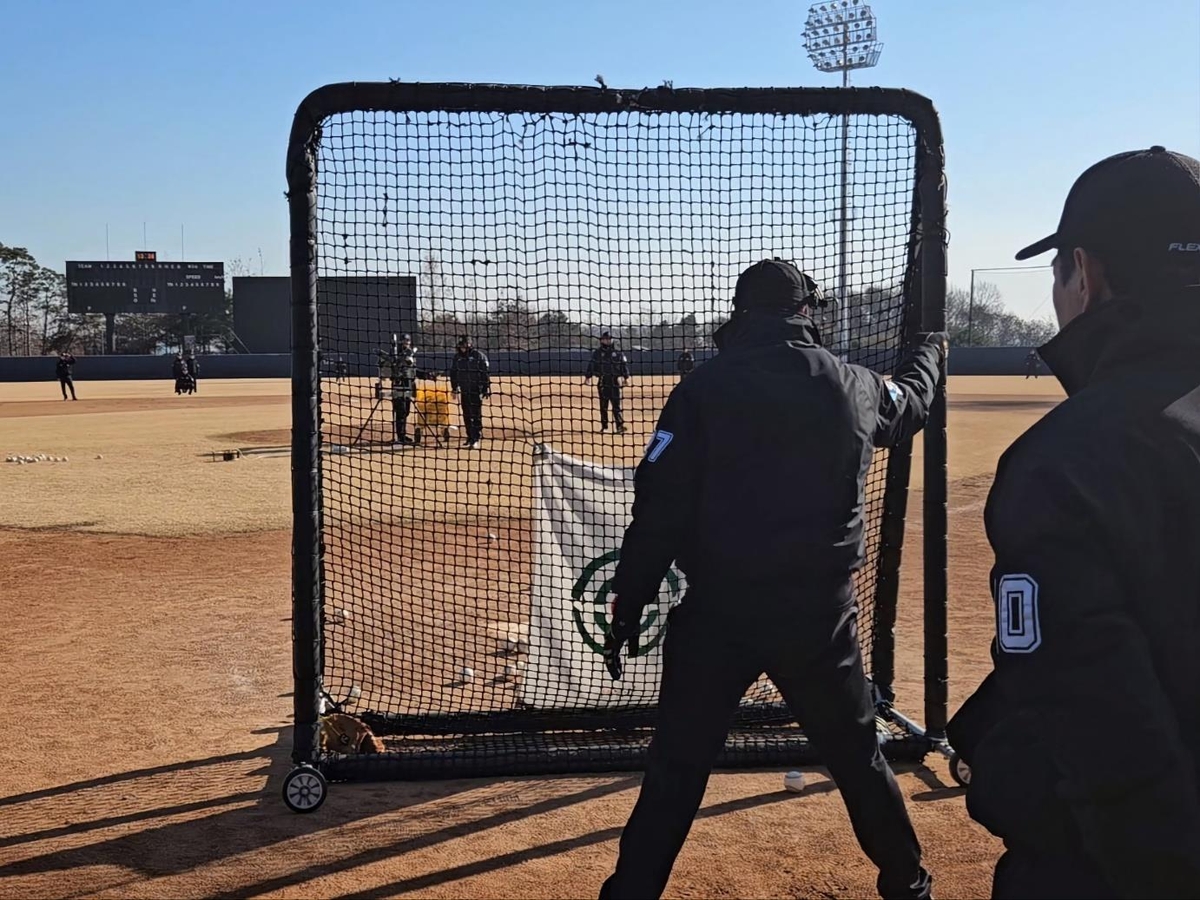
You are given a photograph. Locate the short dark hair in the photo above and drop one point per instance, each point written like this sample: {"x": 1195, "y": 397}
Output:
{"x": 1128, "y": 277}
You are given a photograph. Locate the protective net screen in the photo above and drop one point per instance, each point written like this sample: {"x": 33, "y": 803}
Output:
{"x": 470, "y": 523}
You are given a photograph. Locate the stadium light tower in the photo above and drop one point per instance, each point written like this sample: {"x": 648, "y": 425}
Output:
{"x": 841, "y": 36}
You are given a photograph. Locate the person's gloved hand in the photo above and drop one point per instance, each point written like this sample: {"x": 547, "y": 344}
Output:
{"x": 939, "y": 338}
{"x": 624, "y": 628}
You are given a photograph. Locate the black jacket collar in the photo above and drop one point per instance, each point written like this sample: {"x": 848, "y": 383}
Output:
{"x": 1126, "y": 333}
{"x": 756, "y": 329}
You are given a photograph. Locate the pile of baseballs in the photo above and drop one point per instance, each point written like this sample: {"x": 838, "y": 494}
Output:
{"x": 40, "y": 457}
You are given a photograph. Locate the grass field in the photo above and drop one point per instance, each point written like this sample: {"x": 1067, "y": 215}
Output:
{"x": 148, "y": 675}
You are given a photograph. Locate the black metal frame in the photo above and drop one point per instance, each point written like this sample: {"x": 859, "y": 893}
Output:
{"x": 927, "y": 273}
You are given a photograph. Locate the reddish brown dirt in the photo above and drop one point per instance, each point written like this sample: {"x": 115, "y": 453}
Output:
{"x": 158, "y": 673}
{"x": 266, "y": 437}
{"x": 85, "y": 406}
{"x": 147, "y": 690}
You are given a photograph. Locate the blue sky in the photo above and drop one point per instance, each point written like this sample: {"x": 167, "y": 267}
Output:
{"x": 178, "y": 113}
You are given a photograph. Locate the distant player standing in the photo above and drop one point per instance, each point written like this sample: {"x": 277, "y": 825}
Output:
{"x": 471, "y": 382}
{"x": 685, "y": 365}
{"x": 611, "y": 368}
{"x": 179, "y": 370}
{"x": 62, "y": 369}
{"x": 1033, "y": 364}
{"x": 193, "y": 371}
{"x": 405, "y": 373}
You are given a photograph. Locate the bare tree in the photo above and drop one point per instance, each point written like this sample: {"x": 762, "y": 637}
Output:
{"x": 18, "y": 274}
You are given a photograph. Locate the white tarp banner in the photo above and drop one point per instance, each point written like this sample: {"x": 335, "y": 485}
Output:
{"x": 581, "y": 510}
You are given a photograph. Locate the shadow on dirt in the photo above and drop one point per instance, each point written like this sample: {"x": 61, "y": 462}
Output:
{"x": 227, "y": 818}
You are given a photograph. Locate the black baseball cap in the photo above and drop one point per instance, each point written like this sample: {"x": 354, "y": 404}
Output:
{"x": 1142, "y": 207}
{"x": 775, "y": 284}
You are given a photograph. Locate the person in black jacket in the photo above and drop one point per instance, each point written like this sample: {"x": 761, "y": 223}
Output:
{"x": 753, "y": 485}
{"x": 193, "y": 372}
{"x": 609, "y": 365}
{"x": 686, "y": 364}
{"x": 179, "y": 370}
{"x": 62, "y": 370}
{"x": 1084, "y": 742}
{"x": 401, "y": 368}
{"x": 471, "y": 382}
{"x": 1033, "y": 364}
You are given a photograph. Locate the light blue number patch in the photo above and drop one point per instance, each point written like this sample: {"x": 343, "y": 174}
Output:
{"x": 1018, "y": 629}
{"x": 658, "y": 443}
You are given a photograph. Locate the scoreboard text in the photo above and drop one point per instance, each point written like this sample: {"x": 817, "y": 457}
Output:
{"x": 145, "y": 287}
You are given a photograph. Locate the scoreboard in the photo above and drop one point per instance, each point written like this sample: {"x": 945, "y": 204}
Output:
{"x": 145, "y": 286}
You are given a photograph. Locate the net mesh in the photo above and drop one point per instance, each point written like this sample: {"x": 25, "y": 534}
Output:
{"x": 443, "y": 567}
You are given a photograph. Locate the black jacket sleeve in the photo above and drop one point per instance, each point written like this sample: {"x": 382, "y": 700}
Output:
{"x": 454, "y": 374}
{"x": 903, "y": 403}
{"x": 623, "y": 368}
{"x": 665, "y": 497}
{"x": 485, "y": 374}
{"x": 1070, "y": 657}
{"x": 591, "y": 368}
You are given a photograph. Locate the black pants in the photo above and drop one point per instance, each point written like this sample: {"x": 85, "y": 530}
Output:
{"x": 611, "y": 394}
{"x": 472, "y": 411}
{"x": 401, "y": 407}
{"x": 65, "y": 383}
{"x": 710, "y": 658}
{"x": 1029, "y": 873}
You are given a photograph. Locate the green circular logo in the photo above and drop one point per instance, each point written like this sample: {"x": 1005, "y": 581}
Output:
{"x": 591, "y": 599}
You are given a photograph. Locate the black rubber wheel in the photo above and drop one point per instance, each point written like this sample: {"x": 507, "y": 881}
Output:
{"x": 959, "y": 770}
{"x": 304, "y": 789}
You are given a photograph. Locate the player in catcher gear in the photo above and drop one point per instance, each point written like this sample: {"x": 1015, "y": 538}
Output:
{"x": 179, "y": 370}
{"x": 752, "y": 485}
{"x": 1084, "y": 741}
{"x": 685, "y": 365}
{"x": 471, "y": 380}
{"x": 193, "y": 371}
{"x": 610, "y": 366}
{"x": 402, "y": 364}
{"x": 62, "y": 370}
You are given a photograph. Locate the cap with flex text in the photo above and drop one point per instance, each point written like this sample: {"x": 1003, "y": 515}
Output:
{"x": 1142, "y": 207}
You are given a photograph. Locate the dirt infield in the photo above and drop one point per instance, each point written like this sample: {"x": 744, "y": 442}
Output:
{"x": 148, "y": 676}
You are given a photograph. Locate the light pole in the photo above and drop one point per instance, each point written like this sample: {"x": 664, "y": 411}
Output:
{"x": 841, "y": 36}
{"x": 971, "y": 297}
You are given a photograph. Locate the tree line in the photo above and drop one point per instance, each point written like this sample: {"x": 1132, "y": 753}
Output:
{"x": 34, "y": 321}
{"x": 512, "y": 325}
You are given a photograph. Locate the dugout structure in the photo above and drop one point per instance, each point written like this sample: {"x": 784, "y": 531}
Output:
{"x": 534, "y": 218}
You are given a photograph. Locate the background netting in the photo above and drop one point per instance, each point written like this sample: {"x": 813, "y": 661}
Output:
{"x": 533, "y": 233}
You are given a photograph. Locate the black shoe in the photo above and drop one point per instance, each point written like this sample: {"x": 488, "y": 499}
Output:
{"x": 620, "y": 429}
{"x": 603, "y": 428}
{"x": 404, "y": 439}
{"x": 921, "y": 889}
{"x": 468, "y": 444}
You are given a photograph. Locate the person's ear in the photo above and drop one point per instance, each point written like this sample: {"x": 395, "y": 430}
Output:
{"x": 1094, "y": 288}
